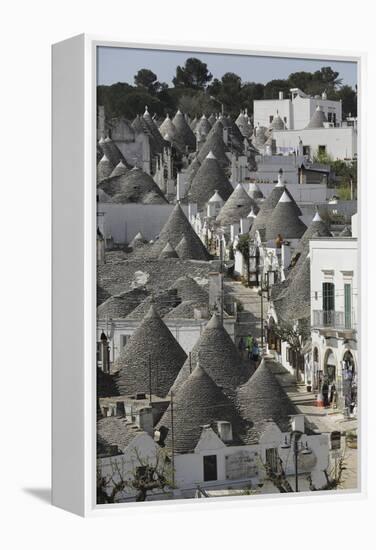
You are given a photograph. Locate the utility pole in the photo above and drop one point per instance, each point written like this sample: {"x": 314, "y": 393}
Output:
{"x": 150, "y": 387}
{"x": 296, "y": 451}
{"x": 221, "y": 279}
{"x": 172, "y": 439}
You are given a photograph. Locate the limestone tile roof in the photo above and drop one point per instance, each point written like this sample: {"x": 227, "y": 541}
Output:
{"x": 219, "y": 357}
{"x": 136, "y": 186}
{"x": 163, "y": 302}
{"x": 184, "y": 130}
{"x": 293, "y": 303}
{"x": 176, "y": 227}
{"x": 209, "y": 178}
{"x": 119, "y": 170}
{"x": 115, "y": 430}
{"x": 121, "y": 305}
{"x": 188, "y": 289}
{"x": 215, "y": 144}
{"x": 266, "y": 208}
{"x": 121, "y": 275}
{"x": 285, "y": 221}
{"x": 317, "y": 226}
{"x": 203, "y": 126}
{"x": 199, "y": 402}
{"x": 112, "y": 152}
{"x": 151, "y": 348}
{"x": 237, "y": 206}
{"x": 185, "y": 310}
{"x": 168, "y": 252}
{"x": 261, "y": 399}
{"x": 190, "y": 249}
{"x": 318, "y": 119}
{"x": 104, "y": 169}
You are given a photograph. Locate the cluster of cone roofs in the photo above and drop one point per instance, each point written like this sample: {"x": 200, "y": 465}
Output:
{"x": 212, "y": 384}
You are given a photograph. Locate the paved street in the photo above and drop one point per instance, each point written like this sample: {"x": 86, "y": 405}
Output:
{"x": 321, "y": 420}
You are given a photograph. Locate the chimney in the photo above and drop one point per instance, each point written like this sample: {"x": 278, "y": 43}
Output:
{"x": 224, "y": 430}
{"x": 144, "y": 419}
{"x": 280, "y": 95}
{"x": 245, "y": 224}
{"x": 105, "y": 353}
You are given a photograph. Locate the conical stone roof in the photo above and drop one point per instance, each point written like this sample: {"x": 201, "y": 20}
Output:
{"x": 163, "y": 302}
{"x": 236, "y": 207}
{"x": 104, "y": 169}
{"x": 264, "y": 215}
{"x": 199, "y": 402}
{"x": 168, "y": 252}
{"x": 316, "y": 226}
{"x": 209, "y": 178}
{"x": 284, "y": 221}
{"x": 193, "y": 124}
{"x": 152, "y": 346}
{"x": 177, "y": 226}
{"x": 217, "y": 353}
{"x": 294, "y": 301}
{"x": 261, "y": 399}
{"x": 189, "y": 248}
{"x": 121, "y": 305}
{"x": 192, "y": 170}
{"x": 188, "y": 289}
{"x": 214, "y": 144}
{"x": 277, "y": 123}
{"x": 168, "y": 127}
{"x": 184, "y": 130}
{"x": 135, "y": 186}
{"x": 112, "y": 152}
{"x": 138, "y": 240}
{"x": 318, "y": 119}
{"x": 203, "y": 127}
{"x": 119, "y": 170}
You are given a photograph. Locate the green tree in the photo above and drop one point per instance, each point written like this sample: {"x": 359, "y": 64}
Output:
{"x": 194, "y": 74}
{"x": 146, "y": 79}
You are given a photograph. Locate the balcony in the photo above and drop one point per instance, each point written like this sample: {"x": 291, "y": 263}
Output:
{"x": 336, "y": 320}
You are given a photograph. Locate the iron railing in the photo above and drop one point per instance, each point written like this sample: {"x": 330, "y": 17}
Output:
{"x": 342, "y": 320}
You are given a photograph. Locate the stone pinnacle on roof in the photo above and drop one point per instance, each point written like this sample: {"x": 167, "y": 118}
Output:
{"x": 199, "y": 402}
{"x": 218, "y": 355}
{"x": 152, "y": 349}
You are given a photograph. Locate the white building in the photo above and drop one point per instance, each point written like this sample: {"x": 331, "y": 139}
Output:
{"x": 337, "y": 142}
{"x": 334, "y": 315}
{"x": 295, "y": 111}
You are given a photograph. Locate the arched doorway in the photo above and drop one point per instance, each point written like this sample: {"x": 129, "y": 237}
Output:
{"x": 330, "y": 366}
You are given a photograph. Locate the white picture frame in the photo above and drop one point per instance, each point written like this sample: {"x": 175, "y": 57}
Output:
{"x": 74, "y": 273}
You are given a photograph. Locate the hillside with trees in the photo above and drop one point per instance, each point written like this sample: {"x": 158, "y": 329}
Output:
{"x": 195, "y": 91}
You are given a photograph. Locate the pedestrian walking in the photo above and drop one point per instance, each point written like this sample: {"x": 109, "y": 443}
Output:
{"x": 249, "y": 346}
{"x": 255, "y": 351}
{"x": 325, "y": 393}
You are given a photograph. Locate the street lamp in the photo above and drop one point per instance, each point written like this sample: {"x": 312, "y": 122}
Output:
{"x": 295, "y": 437}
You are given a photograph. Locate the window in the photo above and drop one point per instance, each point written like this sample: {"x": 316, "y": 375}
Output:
{"x": 123, "y": 340}
{"x": 271, "y": 118}
{"x": 99, "y": 354}
{"x": 272, "y": 459}
{"x": 328, "y": 303}
{"x": 330, "y": 115}
{"x": 306, "y": 150}
{"x": 210, "y": 468}
{"x": 322, "y": 149}
{"x": 347, "y": 293}
{"x": 285, "y": 119}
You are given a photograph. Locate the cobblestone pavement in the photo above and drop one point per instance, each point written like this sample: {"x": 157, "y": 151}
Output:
{"x": 325, "y": 420}
{"x": 250, "y": 316}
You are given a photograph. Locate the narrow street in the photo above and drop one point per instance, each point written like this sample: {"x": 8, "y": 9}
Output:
{"x": 250, "y": 314}
{"x": 319, "y": 419}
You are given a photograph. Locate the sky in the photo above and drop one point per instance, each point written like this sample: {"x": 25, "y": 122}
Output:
{"x": 121, "y": 64}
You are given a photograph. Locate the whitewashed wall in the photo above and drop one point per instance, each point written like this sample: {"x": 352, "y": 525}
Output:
{"x": 124, "y": 221}
{"x": 340, "y": 142}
